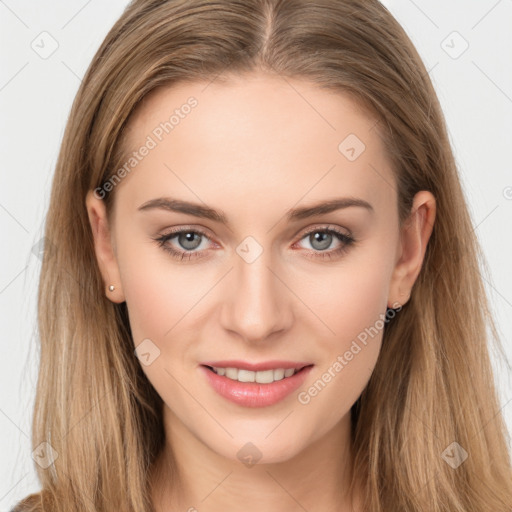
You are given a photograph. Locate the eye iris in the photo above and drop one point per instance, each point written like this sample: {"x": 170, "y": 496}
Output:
{"x": 187, "y": 238}
{"x": 324, "y": 238}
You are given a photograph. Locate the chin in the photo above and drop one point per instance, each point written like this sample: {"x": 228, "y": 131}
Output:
{"x": 261, "y": 448}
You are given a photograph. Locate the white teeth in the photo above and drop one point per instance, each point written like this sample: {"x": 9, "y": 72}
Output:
{"x": 246, "y": 376}
{"x": 261, "y": 377}
{"x": 232, "y": 373}
{"x": 280, "y": 373}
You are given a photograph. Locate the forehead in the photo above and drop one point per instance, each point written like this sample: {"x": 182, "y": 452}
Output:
{"x": 252, "y": 101}
{"x": 257, "y": 135}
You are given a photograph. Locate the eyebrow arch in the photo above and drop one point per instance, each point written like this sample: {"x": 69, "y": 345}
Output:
{"x": 303, "y": 212}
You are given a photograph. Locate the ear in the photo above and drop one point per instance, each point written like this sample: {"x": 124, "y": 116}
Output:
{"x": 103, "y": 247}
{"x": 414, "y": 237}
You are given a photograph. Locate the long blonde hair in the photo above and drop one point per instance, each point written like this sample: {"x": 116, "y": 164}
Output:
{"x": 433, "y": 383}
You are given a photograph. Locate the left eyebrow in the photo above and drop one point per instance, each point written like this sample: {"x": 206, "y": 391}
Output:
{"x": 332, "y": 205}
{"x": 303, "y": 212}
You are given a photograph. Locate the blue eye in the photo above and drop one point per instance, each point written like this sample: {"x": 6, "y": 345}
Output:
{"x": 190, "y": 240}
{"x": 327, "y": 235}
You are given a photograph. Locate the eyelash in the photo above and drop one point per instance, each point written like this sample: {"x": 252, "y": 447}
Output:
{"x": 347, "y": 241}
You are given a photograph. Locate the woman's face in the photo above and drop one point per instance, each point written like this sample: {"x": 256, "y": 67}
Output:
{"x": 255, "y": 278}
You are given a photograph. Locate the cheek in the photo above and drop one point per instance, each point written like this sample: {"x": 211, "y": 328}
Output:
{"x": 154, "y": 289}
{"x": 158, "y": 297}
{"x": 353, "y": 306}
{"x": 349, "y": 298}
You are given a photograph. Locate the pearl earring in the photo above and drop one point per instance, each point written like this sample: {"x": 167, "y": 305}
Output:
{"x": 111, "y": 287}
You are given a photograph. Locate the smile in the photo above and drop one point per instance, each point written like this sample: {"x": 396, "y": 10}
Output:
{"x": 261, "y": 377}
{"x": 255, "y": 388}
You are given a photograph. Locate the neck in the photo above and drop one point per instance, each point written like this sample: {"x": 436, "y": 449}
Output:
{"x": 189, "y": 476}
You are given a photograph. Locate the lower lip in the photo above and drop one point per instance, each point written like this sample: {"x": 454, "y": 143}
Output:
{"x": 253, "y": 394}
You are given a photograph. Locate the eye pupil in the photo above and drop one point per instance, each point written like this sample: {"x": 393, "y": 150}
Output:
{"x": 324, "y": 238}
{"x": 187, "y": 238}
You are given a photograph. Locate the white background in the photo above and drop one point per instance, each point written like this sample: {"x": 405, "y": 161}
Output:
{"x": 475, "y": 90}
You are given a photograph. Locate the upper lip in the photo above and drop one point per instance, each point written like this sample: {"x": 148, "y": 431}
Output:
{"x": 255, "y": 367}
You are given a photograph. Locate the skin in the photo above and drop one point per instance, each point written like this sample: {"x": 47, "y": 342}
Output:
{"x": 255, "y": 147}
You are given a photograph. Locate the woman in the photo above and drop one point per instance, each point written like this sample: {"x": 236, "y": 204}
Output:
{"x": 201, "y": 345}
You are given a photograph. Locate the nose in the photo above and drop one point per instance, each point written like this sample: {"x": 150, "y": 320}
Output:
{"x": 257, "y": 303}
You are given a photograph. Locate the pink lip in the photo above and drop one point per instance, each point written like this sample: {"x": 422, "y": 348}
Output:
{"x": 255, "y": 367}
{"x": 253, "y": 394}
